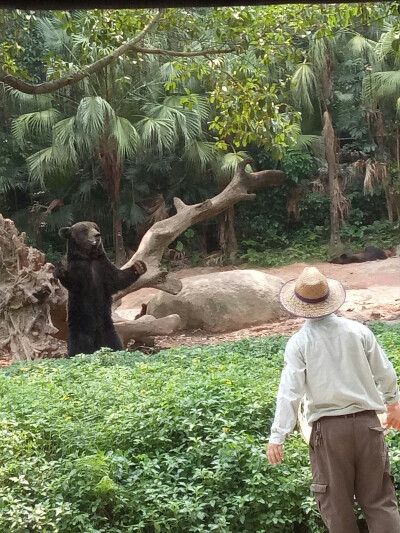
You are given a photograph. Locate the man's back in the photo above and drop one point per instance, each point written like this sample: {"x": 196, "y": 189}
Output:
{"x": 342, "y": 362}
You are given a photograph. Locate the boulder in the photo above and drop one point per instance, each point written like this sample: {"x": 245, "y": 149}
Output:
{"x": 222, "y": 301}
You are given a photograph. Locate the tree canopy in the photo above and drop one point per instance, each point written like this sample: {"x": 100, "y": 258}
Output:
{"x": 114, "y": 112}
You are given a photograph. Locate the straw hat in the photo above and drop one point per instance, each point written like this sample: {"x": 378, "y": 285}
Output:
{"x": 312, "y": 295}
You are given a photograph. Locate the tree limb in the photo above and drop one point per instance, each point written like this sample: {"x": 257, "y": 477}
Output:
{"x": 53, "y": 85}
{"x": 162, "y": 233}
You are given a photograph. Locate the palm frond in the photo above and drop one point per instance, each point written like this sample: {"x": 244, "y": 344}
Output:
{"x": 360, "y": 46}
{"x": 313, "y": 143}
{"x": 380, "y": 85}
{"x": 38, "y": 123}
{"x": 132, "y": 214}
{"x": 231, "y": 160}
{"x": 87, "y": 185}
{"x": 319, "y": 48}
{"x": 398, "y": 106}
{"x": 29, "y": 102}
{"x": 41, "y": 163}
{"x": 304, "y": 86}
{"x": 8, "y": 182}
{"x": 159, "y": 132}
{"x": 170, "y": 110}
{"x": 202, "y": 106}
{"x": 224, "y": 167}
{"x": 384, "y": 46}
{"x": 60, "y": 217}
{"x": 125, "y": 135}
{"x": 93, "y": 115}
{"x": 64, "y": 130}
{"x": 53, "y": 34}
{"x": 51, "y": 160}
{"x": 198, "y": 154}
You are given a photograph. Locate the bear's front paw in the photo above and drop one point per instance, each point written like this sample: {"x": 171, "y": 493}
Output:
{"x": 139, "y": 267}
{"x": 59, "y": 271}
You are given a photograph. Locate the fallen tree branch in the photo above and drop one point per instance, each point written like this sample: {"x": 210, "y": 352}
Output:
{"x": 162, "y": 233}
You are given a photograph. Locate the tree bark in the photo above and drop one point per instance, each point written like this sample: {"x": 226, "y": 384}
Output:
{"x": 112, "y": 169}
{"x": 27, "y": 287}
{"x": 329, "y": 137}
{"x": 227, "y": 235}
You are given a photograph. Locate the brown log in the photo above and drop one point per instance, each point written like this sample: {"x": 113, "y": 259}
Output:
{"x": 162, "y": 233}
{"x": 146, "y": 327}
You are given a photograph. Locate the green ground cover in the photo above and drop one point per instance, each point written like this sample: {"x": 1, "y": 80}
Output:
{"x": 122, "y": 442}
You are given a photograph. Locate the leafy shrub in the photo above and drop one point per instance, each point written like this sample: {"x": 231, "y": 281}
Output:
{"x": 381, "y": 234}
{"x": 171, "y": 442}
{"x": 121, "y": 442}
{"x": 306, "y": 246}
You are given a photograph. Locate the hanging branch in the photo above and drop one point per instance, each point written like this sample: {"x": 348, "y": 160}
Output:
{"x": 71, "y": 79}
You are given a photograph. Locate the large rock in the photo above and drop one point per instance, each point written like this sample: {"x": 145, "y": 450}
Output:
{"x": 222, "y": 301}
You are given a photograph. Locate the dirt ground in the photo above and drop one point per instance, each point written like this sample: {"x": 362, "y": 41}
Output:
{"x": 372, "y": 294}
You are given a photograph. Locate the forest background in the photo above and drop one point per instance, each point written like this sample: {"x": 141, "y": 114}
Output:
{"x": 109, "y": 114}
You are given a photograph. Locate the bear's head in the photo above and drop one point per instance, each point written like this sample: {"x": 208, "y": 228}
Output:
{"x": 83, "y": 240}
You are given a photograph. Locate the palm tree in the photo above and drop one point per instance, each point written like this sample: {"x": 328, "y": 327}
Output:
{"x": 313, "y": 92}
{"x": 381, "y": 96}
{"x": 119, "y": 122}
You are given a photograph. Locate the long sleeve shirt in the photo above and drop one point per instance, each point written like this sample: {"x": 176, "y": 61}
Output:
{"x": 340, "y": 368}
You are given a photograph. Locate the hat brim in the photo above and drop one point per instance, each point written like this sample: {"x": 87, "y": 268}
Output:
{"x": 296, "y": 307}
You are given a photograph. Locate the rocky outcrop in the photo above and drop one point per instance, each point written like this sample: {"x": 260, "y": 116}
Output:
{"x": 222, "y": 301}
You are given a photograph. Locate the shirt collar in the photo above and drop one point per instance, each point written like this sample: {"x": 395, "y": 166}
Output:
{"x": 319, "y": 319}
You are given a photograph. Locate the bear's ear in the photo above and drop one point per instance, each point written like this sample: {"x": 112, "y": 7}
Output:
{"x": 64, "y": 233}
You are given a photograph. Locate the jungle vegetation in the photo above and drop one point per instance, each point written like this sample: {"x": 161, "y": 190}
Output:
{"x": 109, "y": 114}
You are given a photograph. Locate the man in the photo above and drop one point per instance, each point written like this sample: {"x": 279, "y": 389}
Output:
{"x": 347, "y": 379}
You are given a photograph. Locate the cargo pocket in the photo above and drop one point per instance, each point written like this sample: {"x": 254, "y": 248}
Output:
{"x": 378, "y": 434}
{"x": 319, "y": 490}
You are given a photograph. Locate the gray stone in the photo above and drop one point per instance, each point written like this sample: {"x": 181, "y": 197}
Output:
{"x": 222, "y": 301}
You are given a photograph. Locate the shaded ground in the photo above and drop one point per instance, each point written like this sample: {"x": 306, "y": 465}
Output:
{"x": 372, "y": 293}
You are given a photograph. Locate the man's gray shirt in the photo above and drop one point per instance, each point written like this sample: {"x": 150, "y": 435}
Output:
{"x": 339, "y": 366}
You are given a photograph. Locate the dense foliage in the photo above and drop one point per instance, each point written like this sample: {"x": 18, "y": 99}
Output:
{"x": 149, "y": 126}
{"x": 170, "y": 442}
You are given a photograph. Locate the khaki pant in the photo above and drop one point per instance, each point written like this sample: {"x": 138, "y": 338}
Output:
{"x": 349, "y": 458}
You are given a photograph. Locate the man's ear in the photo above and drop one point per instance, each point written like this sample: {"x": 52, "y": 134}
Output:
{"x": 64, "y": 233}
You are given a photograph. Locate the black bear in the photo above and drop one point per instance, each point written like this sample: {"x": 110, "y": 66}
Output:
{"x": 91, "y": 280}
{"x": 369, "y": 254}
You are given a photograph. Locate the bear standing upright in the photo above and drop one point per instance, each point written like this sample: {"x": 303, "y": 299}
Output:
{"x": 91, "y": 280}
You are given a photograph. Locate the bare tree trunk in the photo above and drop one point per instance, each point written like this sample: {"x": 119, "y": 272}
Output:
{"x": 112, "y": 169}
{"x": 120, "y": 255}
{"x": 388, "y": 201}
{"x": 227, "y": 236}
{"x": 162, "y": 233}
{"x": 334, "y": 187}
